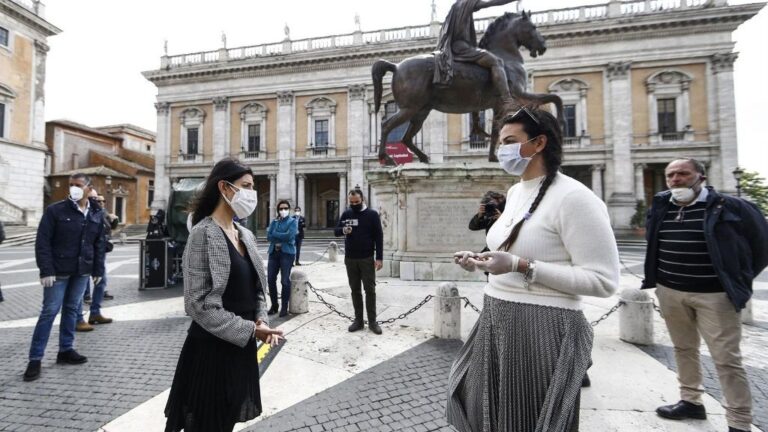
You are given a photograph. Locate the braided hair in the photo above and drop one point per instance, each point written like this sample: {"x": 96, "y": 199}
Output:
{"x": 553, "y": 157}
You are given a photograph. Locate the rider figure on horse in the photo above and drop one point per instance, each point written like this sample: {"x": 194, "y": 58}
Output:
{"x": 458, "y": 42}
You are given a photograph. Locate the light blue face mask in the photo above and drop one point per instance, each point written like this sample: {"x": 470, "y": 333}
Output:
{"x": 511, "y": 160}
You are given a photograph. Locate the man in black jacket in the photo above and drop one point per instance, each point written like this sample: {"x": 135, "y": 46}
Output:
{"x": 300, "y": 236}
{"x": 704, "y": 250}
{"x": 364, "y": 237}
{"x": 69, "y": 249}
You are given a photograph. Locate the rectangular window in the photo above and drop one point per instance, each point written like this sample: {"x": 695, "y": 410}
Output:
{"x": 150, "y": 193}
{"x": 2, "y": 120}
{"x": 667, "y": 115}
{"x": 4, "y": 37}
{"x": 321, "y": 133}
{"x": 192, "y": 136}
{"x": 477, "y": 141}
{"x": 569, "y": 117}
{"x": 254, "y": 138}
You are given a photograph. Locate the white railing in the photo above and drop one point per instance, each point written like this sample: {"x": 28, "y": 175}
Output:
{"x": 546, "y": 18}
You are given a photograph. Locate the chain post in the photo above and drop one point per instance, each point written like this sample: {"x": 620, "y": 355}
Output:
{"x": 607, "y": 314}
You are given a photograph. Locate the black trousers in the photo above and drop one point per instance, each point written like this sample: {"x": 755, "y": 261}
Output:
{"x": 362, "y": 272}
{"x": 299, "y": 240}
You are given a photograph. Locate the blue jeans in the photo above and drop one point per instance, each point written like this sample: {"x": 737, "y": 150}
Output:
{"x": 66, "y": 295}
{"x": 280, "y": 262}
{"x": 96, "y": 298}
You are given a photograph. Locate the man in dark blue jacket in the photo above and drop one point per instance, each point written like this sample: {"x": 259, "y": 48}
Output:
{"x": 704, "y": 250}
{"x": 69, "y": 249}
{"x": 364, "y": 238}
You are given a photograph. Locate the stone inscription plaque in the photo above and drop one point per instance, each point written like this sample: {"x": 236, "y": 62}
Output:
{"x": 442, "y": 225}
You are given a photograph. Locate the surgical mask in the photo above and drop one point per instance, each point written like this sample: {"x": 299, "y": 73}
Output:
{"x": 75, "y": 193}
{"x": 511, "y": 160}
{"x": 684, "y": 194}
{"x": 283, "y": 213}
{"x": 244, "y": 201}
{"x": 297, "y": 213}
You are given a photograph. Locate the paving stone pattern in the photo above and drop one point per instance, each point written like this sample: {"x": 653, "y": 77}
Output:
{"x": 128, "y": 363}
{"x": 404, "y": 393}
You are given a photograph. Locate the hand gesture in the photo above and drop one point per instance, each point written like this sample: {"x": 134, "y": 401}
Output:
{"x": 466, "y": 259}
{"x": 481, "y": 210}
{"x": 267, "y": 335}
{"x": 347, "y": 230}
{"x": 498, "y": 262}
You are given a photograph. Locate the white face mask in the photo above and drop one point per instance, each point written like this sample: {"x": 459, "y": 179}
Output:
{"x": 244, "y": 201}
{"x": 297, "y": 212}
{"x": 283, "y": 213}
{"x": 75, "y": 193}
{"x": 511, "y": 160}
{"x": 684, "y": 194}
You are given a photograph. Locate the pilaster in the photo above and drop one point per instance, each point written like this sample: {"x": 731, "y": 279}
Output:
{"x": 286, "y": 131}
{"x": 162, "y": 150}
{"x": 621, "y": 202}
{"x": 220, "y": 127}
{"x": 722, "y": 68}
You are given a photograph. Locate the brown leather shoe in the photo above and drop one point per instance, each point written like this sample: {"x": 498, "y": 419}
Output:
{"x": 98, "y": 319}
{"x": 83, "y": 326}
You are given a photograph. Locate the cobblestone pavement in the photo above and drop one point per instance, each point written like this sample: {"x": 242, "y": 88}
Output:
{"x": 404, "y": 393}
{"x": 128, "y": 363}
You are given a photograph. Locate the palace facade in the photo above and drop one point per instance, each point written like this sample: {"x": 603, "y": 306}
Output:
{"x": 642, "y": 82}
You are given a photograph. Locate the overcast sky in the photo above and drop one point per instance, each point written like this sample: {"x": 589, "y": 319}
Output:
{"x": 94, "y": 66}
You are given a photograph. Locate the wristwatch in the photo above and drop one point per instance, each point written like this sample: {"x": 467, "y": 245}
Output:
{"x": 528, "y": 275}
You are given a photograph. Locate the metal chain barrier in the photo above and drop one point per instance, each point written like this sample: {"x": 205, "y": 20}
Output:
{"x": 629, "y": 270}
{"x": 333, "y": 309}
{"x": 607, "y": 314}
{"x": 469, "y": 303}
{"x": 321, "y": 257}
{"x": 657, "y": 308}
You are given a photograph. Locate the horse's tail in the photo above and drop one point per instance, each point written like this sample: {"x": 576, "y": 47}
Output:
{"x": 379, "y": 69}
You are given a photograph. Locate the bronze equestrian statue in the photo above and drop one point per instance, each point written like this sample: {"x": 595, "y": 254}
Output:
{"x": 470, "y": 87}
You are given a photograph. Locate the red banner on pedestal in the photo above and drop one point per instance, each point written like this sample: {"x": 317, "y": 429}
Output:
{"x": 399, "y": 152}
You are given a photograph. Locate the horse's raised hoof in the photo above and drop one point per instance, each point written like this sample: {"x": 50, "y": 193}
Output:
{"x": 387, "y": 161}
{"x": 493, "y": 158}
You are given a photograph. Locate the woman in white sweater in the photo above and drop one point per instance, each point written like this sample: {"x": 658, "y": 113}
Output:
{"x": 522, "y": 365}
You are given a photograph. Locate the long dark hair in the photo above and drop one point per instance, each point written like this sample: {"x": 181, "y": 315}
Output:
{"x": 537, "y": 122}
{"x": 205, "y": 201}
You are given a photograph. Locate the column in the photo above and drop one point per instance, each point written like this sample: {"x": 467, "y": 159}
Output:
{"x": 342, "y": 192}
{"x": 315, "y": 205}
{"x": 272, "y": 197}
{"x": 301, "y": 179}
{"x": 436, "y": 132}
{"x": 286, "y": 132}
{"x": 356, "y": 133}
{"x": 584, "y": 128}
{"x": 653, "y": 117}
{"x": 722, "y": 68}
{"x": 38, "y": 97}
{"x": 162, "y": 151}
{"x": 640, "y": 182}
{"x": 597, "y": 180}
{"x": 621, "y": 203}
{"x": 220, "y": 111}
{"x": 310, "y": 138}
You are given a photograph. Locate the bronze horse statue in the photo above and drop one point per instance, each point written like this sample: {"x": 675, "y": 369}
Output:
{"x": 471, "y": 89}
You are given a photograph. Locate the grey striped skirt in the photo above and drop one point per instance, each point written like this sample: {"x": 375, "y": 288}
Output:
{"x": 520, "y": 370}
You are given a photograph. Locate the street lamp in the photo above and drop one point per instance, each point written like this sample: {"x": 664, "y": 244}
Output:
{"x": 737, "y": 173}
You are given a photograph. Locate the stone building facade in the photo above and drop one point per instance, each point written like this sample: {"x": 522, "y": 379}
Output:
{"x": 23, "y": 50}
{"x": 124, "y": 176}
{"x": 642, "y": 81}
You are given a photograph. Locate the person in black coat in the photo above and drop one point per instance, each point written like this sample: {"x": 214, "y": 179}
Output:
{"x": 300, "y": 237}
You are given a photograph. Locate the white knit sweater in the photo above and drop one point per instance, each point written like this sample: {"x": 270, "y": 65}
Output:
{"x": 570, "y": 238}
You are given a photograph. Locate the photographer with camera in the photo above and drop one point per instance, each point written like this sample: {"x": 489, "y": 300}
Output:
{"x": 363, "y": 238}
{"x": 491, "y": 207}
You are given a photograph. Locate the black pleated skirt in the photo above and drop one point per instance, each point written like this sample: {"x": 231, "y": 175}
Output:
{"x": 215, "y": 386}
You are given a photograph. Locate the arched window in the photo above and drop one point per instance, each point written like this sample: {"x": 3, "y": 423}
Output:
{"x": 573, "y": 92}
{"x": 192, "y": 128}
{"x": 253, "y": 131}
{"x": 669, "y": 111}
{"x": 321, "y": 126}
{"x": 6, "y": 102}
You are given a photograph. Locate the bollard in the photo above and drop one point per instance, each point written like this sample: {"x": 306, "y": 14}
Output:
{"x": 299, "y": 303}
{"x": 1, "y": 293}
{"x": 447, "y": 311}
{"x": 333, "y": 252}
{"x": 636, "y": 317}
{"x": 746, "y": 314}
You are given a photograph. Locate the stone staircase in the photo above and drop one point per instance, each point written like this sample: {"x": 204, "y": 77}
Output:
{"x": 17, "y": 234}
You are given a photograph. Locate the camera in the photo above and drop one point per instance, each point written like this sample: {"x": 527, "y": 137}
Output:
{"x": 351, "y": 223}
{"x": 490, "y": 209}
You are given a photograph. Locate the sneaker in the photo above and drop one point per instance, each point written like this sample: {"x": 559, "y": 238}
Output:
{"x": 33, "y": 370}
{"x": 98, "y": 319}
{"x": 71, "y": 357}
{"x": 108, "y": 296}
{"x": 357, "y": 325}
{"x": 83, "y": 326}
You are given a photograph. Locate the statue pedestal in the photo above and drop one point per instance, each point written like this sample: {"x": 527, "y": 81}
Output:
{"x": 425, "y": 210}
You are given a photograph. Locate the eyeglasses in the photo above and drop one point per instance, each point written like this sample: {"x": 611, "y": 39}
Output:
{"x": 525, "y": 110}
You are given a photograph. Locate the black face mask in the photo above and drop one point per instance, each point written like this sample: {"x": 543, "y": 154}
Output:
{"x": 356, "y": 207}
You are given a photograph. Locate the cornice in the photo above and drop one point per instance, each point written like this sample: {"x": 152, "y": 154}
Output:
{"x": 28, "y": 18}
{"x": 638, "y": 27}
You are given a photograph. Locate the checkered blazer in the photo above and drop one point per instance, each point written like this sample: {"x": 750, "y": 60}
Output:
{"x": 206, "y": 272}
